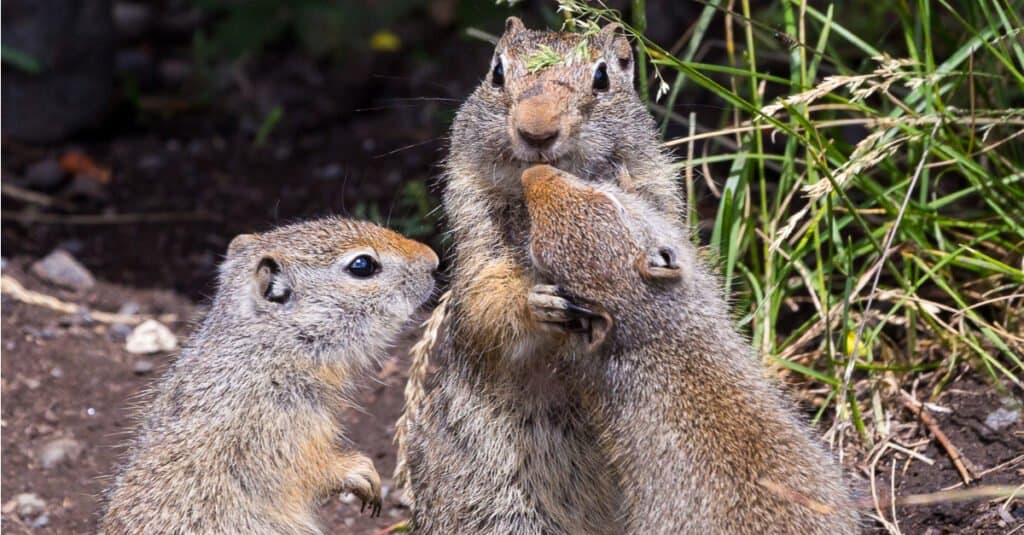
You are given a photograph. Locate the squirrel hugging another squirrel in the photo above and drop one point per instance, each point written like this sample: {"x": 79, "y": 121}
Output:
{"x": 500, "y": 442}
{"x": 509, "y": 436}
{"x": 242, "y": 436}
{"x": 700, "y": 441}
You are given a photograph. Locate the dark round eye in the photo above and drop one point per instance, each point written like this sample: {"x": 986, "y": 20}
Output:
{"x": 601, "y": 77}
{"x": 498, "y": 74}
{"x": 363, "y": 266}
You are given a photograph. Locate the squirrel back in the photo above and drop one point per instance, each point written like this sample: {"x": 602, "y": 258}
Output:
{"x": 701, "y": 441}
{"x": 242, "y": 435}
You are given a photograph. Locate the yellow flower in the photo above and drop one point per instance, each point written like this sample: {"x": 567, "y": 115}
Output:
{"x": 385, "y": 41}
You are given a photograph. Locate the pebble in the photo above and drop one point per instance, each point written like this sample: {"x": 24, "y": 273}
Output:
{"x": 44, "y": 174}
{"x": 60, "y": 268}
{"x": 56, "y": 452}
{"x": 142, "y": 367}
{"x": 41, "y": 521}
{"x": 1001, "y": 418}
{"x": 175, "y": 71}
{"x": 150, "y": 336}
{"x": 132, "y": 19}
{"x": 26, "y": 504}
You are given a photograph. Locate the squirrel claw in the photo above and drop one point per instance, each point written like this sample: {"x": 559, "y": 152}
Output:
{"x": 553, "y": 308}
{"x": 364, "y": 482}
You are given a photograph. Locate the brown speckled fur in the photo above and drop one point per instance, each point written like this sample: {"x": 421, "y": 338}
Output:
{"x": 499, "y": 443}
{"x": 242, "y": 436}
{"x": 683, "y": 409}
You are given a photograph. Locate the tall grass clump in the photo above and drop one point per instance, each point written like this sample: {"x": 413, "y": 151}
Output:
{"x": 866, "y": 166}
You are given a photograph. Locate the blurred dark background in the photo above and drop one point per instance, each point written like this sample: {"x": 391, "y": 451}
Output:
{"x": 142, "y": 136}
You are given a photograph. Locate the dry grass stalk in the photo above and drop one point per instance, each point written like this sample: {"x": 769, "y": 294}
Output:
{"x": 414, "y": 389}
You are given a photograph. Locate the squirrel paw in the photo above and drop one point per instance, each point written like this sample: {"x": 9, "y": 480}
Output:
{"x": 364, "y": 481}
{"x": 553, "y": 309}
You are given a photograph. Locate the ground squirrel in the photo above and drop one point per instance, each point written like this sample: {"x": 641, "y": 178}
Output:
{"x": 499, "y": 443}
{"x": 242, "y": 436}
{"x": 700, "y": 440}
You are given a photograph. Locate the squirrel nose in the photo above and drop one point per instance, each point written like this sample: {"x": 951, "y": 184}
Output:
{"x": 540, "y": 139}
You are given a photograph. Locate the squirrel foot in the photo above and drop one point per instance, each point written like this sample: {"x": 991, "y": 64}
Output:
{"x": 556, "y": 311}
{"x": 363, "y": 481}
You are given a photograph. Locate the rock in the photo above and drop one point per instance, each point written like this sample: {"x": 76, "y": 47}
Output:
{"x": 67, "y": 82}
{"x": 86, "y": 187}
{"x": 151, "y": 336}
{"x": 132, "y": 19}
{"x": 44, "y": 174}
{"x": 121, "y": 331}
{"x": 27, "y": 504}
{"x": 142, "y": 367}
{"x": 41, "y": 521}
{"x": 59, "y": 451}
{"x": 175, "y": 71}
{"x": 1001, "y": 418}
{"x": 60, "y": 268}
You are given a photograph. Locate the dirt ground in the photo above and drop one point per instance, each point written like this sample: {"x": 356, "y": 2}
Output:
{"x": 68, "y": 377}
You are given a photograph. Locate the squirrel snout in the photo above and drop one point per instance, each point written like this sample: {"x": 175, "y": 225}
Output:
{"x": 537, "y": 121}
{"x": 539, "y": 140}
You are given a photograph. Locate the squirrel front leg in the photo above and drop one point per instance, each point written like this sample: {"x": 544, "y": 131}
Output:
{"x": 510, "y": 312}
{"x": 356, "y": 474}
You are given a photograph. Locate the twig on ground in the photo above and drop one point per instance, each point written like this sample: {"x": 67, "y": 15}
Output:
{"x": 954, "y": 454}
{"x": 31, "y": 197}
{"x": 10, "y": 286}
{"x": 986, "y": 492}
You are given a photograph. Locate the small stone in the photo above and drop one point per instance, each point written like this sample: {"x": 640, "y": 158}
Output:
{"x": 57, "y": 372}
{"x": 121, "y": 330}
{"x": 50, "y": 416}
{"x": 31, "y": 382}
{"x": 44, "y": 174}
{"x": 41, "y": 521}
{"x": 56, "y": 452}
{"x": 1001, "y": 418}
{"x": 86, "y": 186}
{"x": 132, "y": 19}
{"x": 129, "y": 309}
{"x": 26, "y": 505}
{"x": 60, "y": 268}
{"x": 142, "y": 367}
{"x": 151, "y": 336}
{"x": 175, "y": 71}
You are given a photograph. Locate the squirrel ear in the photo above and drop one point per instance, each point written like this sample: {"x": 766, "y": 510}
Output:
{"x": 271, "y": 283}
{"x": 660, "y": 265}
{"x": 240, "y": 242}
{"x": 619, "y": 46}
{"x": 513, "y": 25}
{"x": 600, "y": 328}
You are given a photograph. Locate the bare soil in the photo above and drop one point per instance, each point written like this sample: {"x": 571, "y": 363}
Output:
{"x": 67, "y": 376}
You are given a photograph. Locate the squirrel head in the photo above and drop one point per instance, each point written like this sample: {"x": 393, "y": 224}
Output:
{"x": 321, "y": 286}
{"x": 561, "y": 98}
{"x": 606, "y": 248}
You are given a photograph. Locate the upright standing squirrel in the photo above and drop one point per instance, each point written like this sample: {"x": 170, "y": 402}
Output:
{"x": 242, "y": 436}
{"x": 499, "y": 444}
{"x": 701, "y": 441}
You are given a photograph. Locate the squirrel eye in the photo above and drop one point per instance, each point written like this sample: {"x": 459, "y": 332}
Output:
{"x": 498, "y": 74}
{"x": 601, "y": 77}
{"x": 363, "y": 266}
